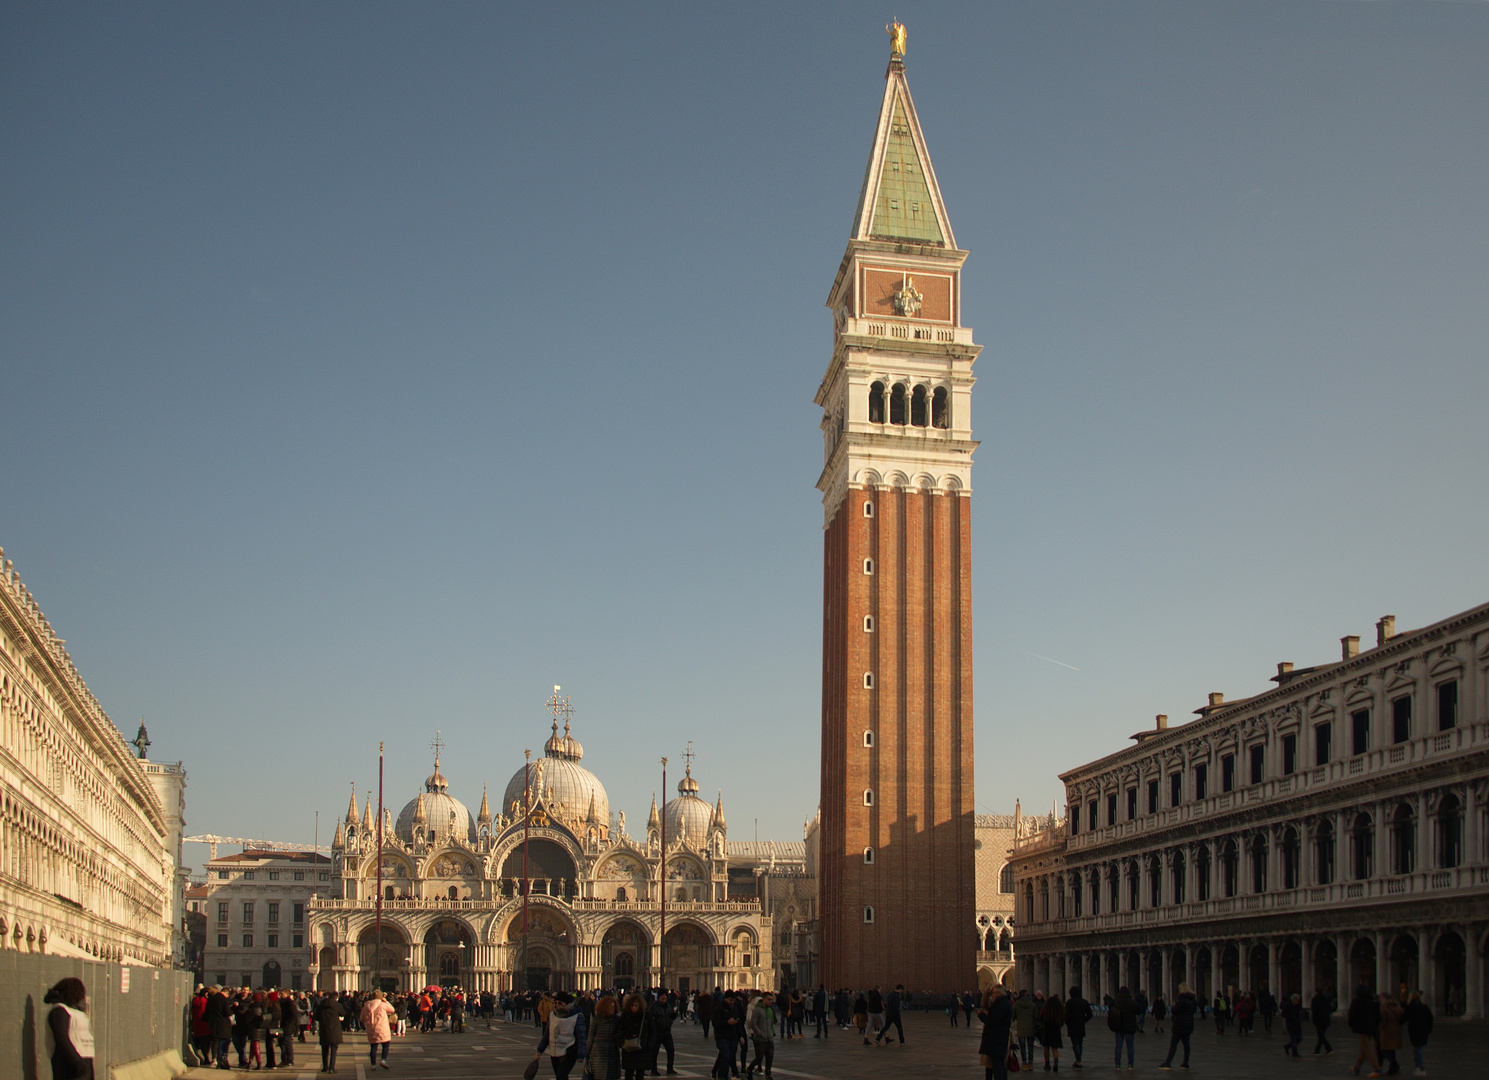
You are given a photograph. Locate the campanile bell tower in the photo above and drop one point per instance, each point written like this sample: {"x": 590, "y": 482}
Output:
{"x": 897, "y": 900}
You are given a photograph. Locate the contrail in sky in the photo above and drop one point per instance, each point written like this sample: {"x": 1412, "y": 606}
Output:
{"x": 1051, "y": 659}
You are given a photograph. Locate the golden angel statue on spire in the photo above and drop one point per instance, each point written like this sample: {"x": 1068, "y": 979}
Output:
{"x": 896, "y": 32}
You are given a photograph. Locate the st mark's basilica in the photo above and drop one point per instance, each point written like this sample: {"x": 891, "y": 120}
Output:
{"x": 458, "y": 890}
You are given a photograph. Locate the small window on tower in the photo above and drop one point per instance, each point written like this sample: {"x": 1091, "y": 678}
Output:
{"x": 868, "y": 566}
{"x": 868, "y": 680}
{"x": 938, "y": 408}
{"x": 868, "y": 738}
{"x": 868, "y": 624}
{"x": 868, "y": 796}
{"x": 868, "y": 856}
{"x": 868, "y": 914}
{"x": 876, "y": 403}
{"x": 868, "y": 508}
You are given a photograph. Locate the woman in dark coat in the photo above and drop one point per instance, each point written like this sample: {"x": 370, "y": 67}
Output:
{"x": 604, "y": 1048}
{"x": 1051, "y": 1019}
{"x": 634, "y": 1033}
{"x": 328, "y": 1021}
{"x": 72, "y": 1031}
{"x": 997, "y": 1033}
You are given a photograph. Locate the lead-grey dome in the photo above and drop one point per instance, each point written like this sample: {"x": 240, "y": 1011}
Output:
{"x": 687, "y": 816}
{"x": 437, "y": 812}
{"x": 557, "y": 777}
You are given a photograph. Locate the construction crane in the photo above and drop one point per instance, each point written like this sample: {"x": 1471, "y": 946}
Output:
{"x": 212, "y": 840}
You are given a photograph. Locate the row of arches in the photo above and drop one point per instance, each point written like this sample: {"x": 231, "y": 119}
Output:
{"x": 1434, "y": 961}
{"x": 902, "y": 404}
{"x": 1253, "y": 863}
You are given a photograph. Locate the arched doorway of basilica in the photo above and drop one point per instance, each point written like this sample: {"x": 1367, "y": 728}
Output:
{"x": 688, "y": 952}
{"x": 325, "y": 978}
{"x": 543, "y": 957}
{"x": 548, "y": 867}
{"x": 625, "y": 955}
{"x": 382, "y": 960}
{"x": 449, "y": 949}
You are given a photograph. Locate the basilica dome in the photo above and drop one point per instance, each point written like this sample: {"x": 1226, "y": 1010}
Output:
{"x": 558, "y": 778}
{"x": 436, "y": 811}
{"x": 687, "y": 816}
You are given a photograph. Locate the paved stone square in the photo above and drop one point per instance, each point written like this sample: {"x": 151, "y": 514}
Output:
{"x": 1458, "y": 1051}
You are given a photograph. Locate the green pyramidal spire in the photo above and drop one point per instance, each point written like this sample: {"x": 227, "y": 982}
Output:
{"x": 900, "y": 199}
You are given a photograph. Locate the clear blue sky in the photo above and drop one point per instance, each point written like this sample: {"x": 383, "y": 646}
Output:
{"x": 368, "y": 369}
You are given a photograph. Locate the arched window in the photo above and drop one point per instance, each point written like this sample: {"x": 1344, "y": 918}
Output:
{"x": 1044, "y": 900}
{"x": 1155, "y": 882}
{"x": 387, "y": 892}
{"x": 625, "y": 966}
{"x": 897, "y": 404}
{"x": 1362, "y": 848}
{"x": 1134, "y": 887}
{"x": 1291, "y": 872}
{"x": 1259, "y": 864}
{"x": 868, "y": 914}
{"x": 1095, "y": 892}
{"x": 868, "y": 856}
{"x": 620, "y": 893}
{"x": 868, "y": 796}
{"x": 1005, "y": 879}
{"x": 1178, "y": 877}
{"x": 1114, "y": 888}
{"x": 1029, "y": 900}
{"x": 454, "y": 893}
{"x": 1403, "y": 840}
{"x": 1324, "y": 853}
{"x": 940, "y": 416}
{"x": 1075, "y": 895}
{"x": 1228, "y": 868}
{"x": 1449, "y": 832}
{"x": 918, "y": 409}
{"x": 876, "y": 403}
{"x": 1202, "y": 873}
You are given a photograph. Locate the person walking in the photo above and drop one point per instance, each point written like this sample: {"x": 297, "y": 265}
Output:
{"x": 1078, "y": 1013}
{"x": 1266, "y": 1004}
{"x": 219, "y": 1024}
{"x": 1388, "y": 1035}
{"x": 728, "y": 1031}
{"x": 997, "y": 1033}
{"x": 661, "y": 1033}
{"x": 876, "y": 1015}
{"x": 1292, "y": 1019}
{"x": 760, "y": 1022}
{"x": 564, "y": 1037}
{"x": 603, "y": 1051}
{"x": 819, "y": 1010}
{"x": 1140, "y": 999}
{"x": 703, "y": 1009}
{"x": 1418, "y": 1019}
{"x": 1122, "y": 1020}
{"x": 1181, "y": 1025}
{"x": 1364, "y": 1021}
{"x": 71, "y": 1030}
{"x": 1025, "y": 1025}
{"x": 892, "y": 1005}
{"x": 1321, "y": 1012}
{"x": 1051, "y": 1020}
{"x": 376, "y": 1019}
{"x": 289, "y": 1027}
{"x": 328, "y": 1025}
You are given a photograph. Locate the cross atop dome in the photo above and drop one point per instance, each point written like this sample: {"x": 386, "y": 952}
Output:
{"x": 436, "y": 784}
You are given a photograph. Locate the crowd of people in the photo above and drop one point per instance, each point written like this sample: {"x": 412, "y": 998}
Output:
{"x": 1017, "y": 1024}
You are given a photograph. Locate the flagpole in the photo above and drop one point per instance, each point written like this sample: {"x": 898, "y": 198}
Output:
{"x": 662, "y": 940}
{"x": 378, "y": 921}
{"x": 527, "y": 816}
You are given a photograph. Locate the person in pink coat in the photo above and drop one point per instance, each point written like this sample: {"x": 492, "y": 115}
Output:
{"x": 377, "y": 1016}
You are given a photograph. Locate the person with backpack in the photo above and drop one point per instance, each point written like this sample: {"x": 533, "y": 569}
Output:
{"x": 1025, "y": 1025}
{"x": 1418, "y": 1019}
{"x": 1364, "y": 1021}
{"x": 564, "y": 1037}
{"x": 1122, "y": 1020}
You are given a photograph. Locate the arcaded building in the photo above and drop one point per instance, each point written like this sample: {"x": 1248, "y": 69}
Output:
{"x": 88, "y": 850}
{"x": 1328, "y": 831}
{"x": 897, "y": 876}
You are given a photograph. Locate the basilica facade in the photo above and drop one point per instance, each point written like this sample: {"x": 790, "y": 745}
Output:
{"x": 542, "y": 892}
